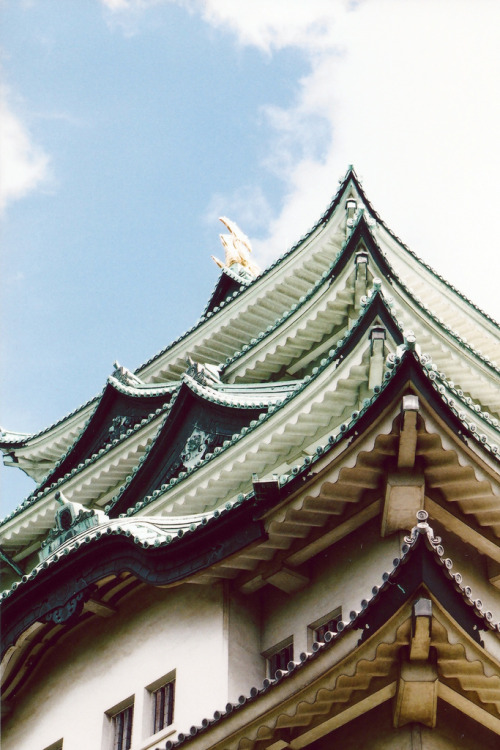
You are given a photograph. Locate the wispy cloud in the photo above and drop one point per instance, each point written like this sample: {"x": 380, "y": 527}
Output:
{"x": 25, "y": 166}
{"x": 128, "y": 16}
{"x": 313, "y": 25}
{"x": 402, "y": 90}
{"x": 405, "y": 91}
{"x": 248, "y": 206}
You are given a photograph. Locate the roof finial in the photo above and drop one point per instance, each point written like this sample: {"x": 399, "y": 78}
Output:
{"x": 423, "y": 528}
{"x": 237, "y": 250}
{"x": 124, "y": 375}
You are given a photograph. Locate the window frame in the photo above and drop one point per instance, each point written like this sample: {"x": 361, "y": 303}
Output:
{"x": 287, "y": 646}
{"x": 335, "y": 615}
{"x": 57, "y": 745}
{"x": 166, "y": 695}
{"x": 149, "y": 725}
{"x": 112, "y": 740}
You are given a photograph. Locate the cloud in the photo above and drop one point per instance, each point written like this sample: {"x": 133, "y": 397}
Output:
{"x": 129, "y": 16}
{"x": 25, "y": 166}
{"x": 406, "y": 92}
{"x": 274, "y": 25}
{"x": 248, "y": 206}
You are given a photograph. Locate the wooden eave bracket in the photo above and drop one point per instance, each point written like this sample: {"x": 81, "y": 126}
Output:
{"x": 377, "y": 356}
{"x": 417, "y": 692}
{"x": 405, "y": 490}
{"x": 99, "y": 608}
{"x": 408, "y": 433}
{"x": 421, "y": 629}
{"x": 404, "y": 496}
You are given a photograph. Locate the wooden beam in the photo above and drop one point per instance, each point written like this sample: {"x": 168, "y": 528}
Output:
{"x": 493, "y": 568}
{"x": 317, "y": 540}
{"x": 416, "y": 699}
{"x": 468, "y": 708}
{"x": 320, "y": 541}
{"x": 404, "y": 496}
{"x": 99, "y": 608}
{"x": 287, "y": 580}
{"x": 466, "y": 528}
{"x": 408, "y": 435}
{"x": 351, "y": 713}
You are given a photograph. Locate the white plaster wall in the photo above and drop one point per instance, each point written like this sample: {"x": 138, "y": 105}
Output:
{"x": 212, "y": 636}
{"x": 344, "y": 575}
{"x": 107, "y": 661}
{"x": 247, "y": 668}
{"x": 340, "y": 576}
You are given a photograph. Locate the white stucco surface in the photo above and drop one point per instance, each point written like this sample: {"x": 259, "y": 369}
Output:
{"x": 106, "y": 662}
{"x": 339, "y": 577}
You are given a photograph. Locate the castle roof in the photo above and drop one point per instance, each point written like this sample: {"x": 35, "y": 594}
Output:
{"x": 298, "y": 409}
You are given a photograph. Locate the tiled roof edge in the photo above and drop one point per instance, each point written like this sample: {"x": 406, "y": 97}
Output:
{"x": 433, "y": 543}
{"x": 33, "y": 435}
{"x": 414, "y": 254}
{"x": 333, "y": 355}
{"x": 444, "y": 326}
{"x": 126, "y": 391}
{"x": 37, "y": 495}
{"x": 121, "y": 527}
{"x": 326, "y": 215}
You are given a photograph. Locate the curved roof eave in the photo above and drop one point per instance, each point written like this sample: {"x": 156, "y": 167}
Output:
{"x": 407, "y": 370}
{"x": 204, "y": 394}
{"x": 415, "y": 256}
{"x": 376, "y": 308}
{"x": 113, "y": 387}
{"x": 421, "y": 563}
{"x": 350, "y": 175}
{"x": 82, "y": 407}
{"x": 323, "y": 220}
{"x": 381, "y": 395}
{"x": 363, "y": 231}
{"x": 43, "y": 583}
{"x": 411, "y": 577}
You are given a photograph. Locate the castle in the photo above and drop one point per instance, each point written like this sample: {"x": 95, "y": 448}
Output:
{"x": 280, "y": 532}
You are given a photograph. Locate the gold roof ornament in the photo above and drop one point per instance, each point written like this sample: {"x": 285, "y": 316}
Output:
{"x": 237, "y": 249}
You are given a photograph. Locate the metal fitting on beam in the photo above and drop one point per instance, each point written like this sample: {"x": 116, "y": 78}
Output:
{"x": 377, "y": 333}
{"x": 350, "y": 206}
{"x": 410, "y": 403}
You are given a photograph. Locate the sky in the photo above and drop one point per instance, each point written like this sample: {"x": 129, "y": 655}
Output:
{"x": 127, "y": 127}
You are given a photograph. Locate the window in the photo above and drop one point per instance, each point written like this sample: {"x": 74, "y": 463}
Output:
{"x": 279, "y": 656}
{"x": 159, "y": 704}
{"x": 325, "y": 624}
{"x": 122, "y": 728}
{"x": 163, "y": 706}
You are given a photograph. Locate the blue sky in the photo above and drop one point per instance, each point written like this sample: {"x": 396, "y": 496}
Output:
{"x": 129, "y": 126}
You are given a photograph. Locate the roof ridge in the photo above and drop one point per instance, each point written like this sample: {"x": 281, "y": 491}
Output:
{"x": 459, "y": 339}
{"x": 326, "y": 214}
{"x": 334, "y": 354}
{"x": 417, "y": 257}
